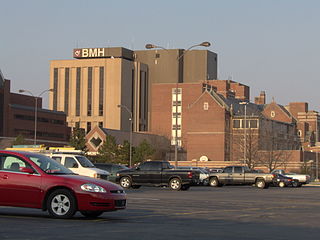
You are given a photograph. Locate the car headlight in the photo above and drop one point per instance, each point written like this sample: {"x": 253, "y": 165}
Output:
{"x": 89, "y": 187}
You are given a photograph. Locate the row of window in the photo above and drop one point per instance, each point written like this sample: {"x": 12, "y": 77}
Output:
{"x": 78, "y": 90}
{"x": 27, "y": 132}
{"x": 241, "y": 123}
{"x": 39, "y": 119}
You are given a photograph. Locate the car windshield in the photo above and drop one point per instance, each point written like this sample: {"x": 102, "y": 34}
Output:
{"x": 48, "y": 165}
{"x": 85, "y": 162}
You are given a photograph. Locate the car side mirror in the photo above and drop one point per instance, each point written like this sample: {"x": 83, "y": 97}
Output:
{"x": 26, "y": 170}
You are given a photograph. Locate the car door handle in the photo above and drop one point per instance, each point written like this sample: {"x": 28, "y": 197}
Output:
{"x": 4, "y": 177}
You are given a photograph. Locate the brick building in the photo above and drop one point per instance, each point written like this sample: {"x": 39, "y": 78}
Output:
{"x": 213, "y": 118}
{"x": 17, "y": 113}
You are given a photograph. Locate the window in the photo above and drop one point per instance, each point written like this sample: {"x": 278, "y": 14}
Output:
{"x": 66, "y": 90}
{"x": 12, "y": 163}
{"x": 205, "y": 106}
{"x": 151, "y": 166}
{"x": 88, "y": 127}
{"x": 101, "y": 124}
{"x": 236, "y": 123}
{"x": 237, "y": 169}
{"x": 55, "y": 88}
{"x": 101, "y": 90}
{"x": 78, "y": 85}
{"x": 228, "y": 170}
{"x": 89, "y": 91}
{"x": 70, "y": 163}
{"x": 253, "y": 124}
{"x": 58, "y": 159}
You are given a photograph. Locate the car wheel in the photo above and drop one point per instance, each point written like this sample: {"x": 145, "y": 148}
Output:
{"x": 91, "y": 214}
{"x": 282, "y": 184}
{"x": 136, "y": 186}
{"x": 213, "y": 182}
{"x": 125, "y": 182}
{"x": 175, "y": 184}
{"x": 61, "y": 204}
{"x": 260, "y": 183}
{"x": 185, "y": 187}
{"x": 295, "y": 184}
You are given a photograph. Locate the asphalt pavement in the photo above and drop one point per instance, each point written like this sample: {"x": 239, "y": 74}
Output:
{"x": 230, "y": 212}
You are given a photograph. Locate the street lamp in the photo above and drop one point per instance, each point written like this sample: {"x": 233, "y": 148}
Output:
{"x": 131, "y": 120}
{"x": 35, "y": 109}
{"x": 151, "y": 46}
{"x": 245, "y": 131}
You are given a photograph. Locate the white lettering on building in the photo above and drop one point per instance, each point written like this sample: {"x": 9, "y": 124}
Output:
{"x": 92, "y": 52}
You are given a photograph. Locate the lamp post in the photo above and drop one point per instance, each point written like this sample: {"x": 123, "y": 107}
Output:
{"x": 245, "y": 132}
{"x": 35, "y": 109}
{"x": 130, "y": 119}
{"x": 151, "y": 46}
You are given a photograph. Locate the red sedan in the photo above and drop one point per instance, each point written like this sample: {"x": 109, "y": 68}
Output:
{"x": 35, "y": 181}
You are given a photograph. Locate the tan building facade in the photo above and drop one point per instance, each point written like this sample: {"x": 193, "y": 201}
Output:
{"x": 90, "y": 90}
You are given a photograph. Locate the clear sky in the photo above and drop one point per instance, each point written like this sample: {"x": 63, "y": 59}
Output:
{"x": 270, "y": 45}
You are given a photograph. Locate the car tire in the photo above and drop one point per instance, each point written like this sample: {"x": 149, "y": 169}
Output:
{"x": 295, "y": 184}
{"x": 61, "y": 204}
{"x": 214, "y": 182}
{"x": 185, "y": 187}
{"x": 260, "y": 183}
{"x": 136, "y": 186}
{"x": 125, "y": 182}
{"x": 91, "y": 214}
{"x": 282, "y": 184}
{"x": 175, "y": 184}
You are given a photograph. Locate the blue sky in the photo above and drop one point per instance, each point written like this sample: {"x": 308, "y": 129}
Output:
{"x": 268, "y": 45}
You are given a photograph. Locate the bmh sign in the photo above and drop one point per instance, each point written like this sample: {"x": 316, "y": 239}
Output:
{"x": 89, "y": 52}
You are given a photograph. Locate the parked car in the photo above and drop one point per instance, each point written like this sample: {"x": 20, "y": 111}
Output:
{"x": 302, "y": 178}
{"x": 79, "y": 164}
{"x": 157, "y": 173}
{"x": 204, "y": 174}
{"x": 284, "y": 181}
{"x": 111, "y": 168}
{"x": 34, "y": 180}
{"x": 234, "y": 175}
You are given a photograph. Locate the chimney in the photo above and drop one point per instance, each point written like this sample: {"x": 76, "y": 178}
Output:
{"x": 261, "y": 99}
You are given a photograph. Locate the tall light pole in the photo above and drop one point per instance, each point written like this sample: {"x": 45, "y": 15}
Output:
{"x": 245, "y": 132}
{"x": 131, "y": 120}
{"x": 151, "y": 46}
{"x": 35, "y": 109}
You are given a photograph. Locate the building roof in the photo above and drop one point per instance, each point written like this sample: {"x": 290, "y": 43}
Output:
{"x": 27, "y": 108}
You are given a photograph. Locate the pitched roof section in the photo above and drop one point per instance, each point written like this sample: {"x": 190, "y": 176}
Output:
{"x": 215, "y": 96}
{"x": 1, "y": 79}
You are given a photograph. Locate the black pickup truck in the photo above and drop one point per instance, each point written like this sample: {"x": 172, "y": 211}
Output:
{"x": 157, "y": 173}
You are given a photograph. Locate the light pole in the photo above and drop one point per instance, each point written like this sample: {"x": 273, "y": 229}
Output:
{"x": 130, "y": 119}
{"x": 245, "y": 132}
{"x": 151, "y": 46}
{"x": 35, "y": 109}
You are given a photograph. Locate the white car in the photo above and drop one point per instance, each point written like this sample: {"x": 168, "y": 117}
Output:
{"x": 204, "y": 175}
{"x": 302, "y": 178}
{"x": 80, "y": 165}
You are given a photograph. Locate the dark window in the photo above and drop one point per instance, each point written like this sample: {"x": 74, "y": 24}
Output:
{"x": 78, "y": 85}
{"x": 236, "y": 123}
{"x": 70, "y": 163}
{"x": 55, "y": 88}
{"x": 66, "y": 90}
{"x": 151, "y": 166}
{"x": 88, "y": 127}
{"x": 101, "y": 124}
{"x": 238, "y": 169}
{"x": 89, "y": 90}
{"x": 157, "y": 55}
{"x": 58, "y": 159}
{"x": 253, "y": 124}
{"x": 101, "y": 90}
{"x": 228, "y": 170}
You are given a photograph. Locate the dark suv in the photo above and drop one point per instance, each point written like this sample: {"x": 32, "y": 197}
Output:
{"x": 112, "y": 168}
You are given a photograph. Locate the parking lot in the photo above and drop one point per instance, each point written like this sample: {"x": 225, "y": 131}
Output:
{"x": 230, "y": 212}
